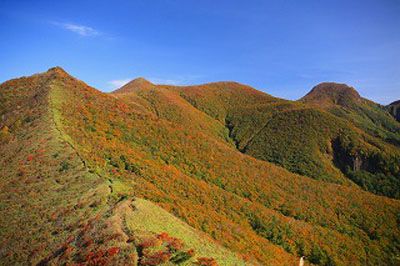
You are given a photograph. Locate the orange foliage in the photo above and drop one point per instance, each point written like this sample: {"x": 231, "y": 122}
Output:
{"x": 206, "y": 262}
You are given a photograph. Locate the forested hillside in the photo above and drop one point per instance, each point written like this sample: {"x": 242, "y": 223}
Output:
{"x": 217, "y": 174}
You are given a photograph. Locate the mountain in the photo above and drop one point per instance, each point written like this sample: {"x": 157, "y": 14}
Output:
{"x": 382, "y": 132}
{"x": 216, "y": 173}
{"x": 329, "y": 94}
{"x": 345, "y": 102}
{"x": 136, "y": 84}
{"x": 296, "y": 135}
{"x": 394, "y": 108}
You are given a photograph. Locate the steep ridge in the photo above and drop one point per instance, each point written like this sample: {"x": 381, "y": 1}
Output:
{"x": 274, "y": 194}
{"x": 45, "y": 188}
{"x": 55, "y": 207}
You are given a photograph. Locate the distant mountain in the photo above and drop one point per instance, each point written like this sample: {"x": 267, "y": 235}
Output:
{"x": 136, "y": 84}
{"x": 394, "y": 108}
{"x": 329, "y": 94}
{"x": 162, "y": 175}
{"x": 345, "y": 102}
{"x": 303, "y": 139}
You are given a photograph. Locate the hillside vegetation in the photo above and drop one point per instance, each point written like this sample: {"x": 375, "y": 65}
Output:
{"x": 153, "y": 175}
{"x": 394, "y": 109}
{"x": 56, "y": 209}
{"x": 305, "y": 139}
{"x": 378, "y": 169}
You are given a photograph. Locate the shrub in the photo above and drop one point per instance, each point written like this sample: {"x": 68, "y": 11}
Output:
{"x": 162, "y": 248}
{"x": 113, "y": 251}
{"x": 64, "y": 166}
{"x": 5, "y": 134}
{"x": 155, "y": 258}
{"x": 206, "y": 262}
{"x": 182, "y": 256}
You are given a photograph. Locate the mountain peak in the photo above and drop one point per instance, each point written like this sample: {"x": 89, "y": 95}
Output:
{"x": 139, "y": 83}
{"x": 331, "y": 93}
{"x": 57, "y": 70}
{"x": 140, "y": 80}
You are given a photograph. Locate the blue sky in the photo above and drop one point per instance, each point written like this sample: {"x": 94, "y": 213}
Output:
{"x": 281, "y": 47}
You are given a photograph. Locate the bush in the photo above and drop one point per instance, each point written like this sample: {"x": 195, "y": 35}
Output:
{"x": 320, "y": 257}
{"x": 64, "y": 166}
{"x": 162, "y": 248}
{"x": 206, "y": 262}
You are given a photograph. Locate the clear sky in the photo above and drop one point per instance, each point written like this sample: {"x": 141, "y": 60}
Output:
{"x": 281, "y": 47}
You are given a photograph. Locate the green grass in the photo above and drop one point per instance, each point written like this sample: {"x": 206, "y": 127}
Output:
{"x": 149, "y": 217}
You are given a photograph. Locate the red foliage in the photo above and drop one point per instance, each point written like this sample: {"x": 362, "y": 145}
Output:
{"x": 169, "y": 245}
{"x": 155, "y": 258}
{"x": 171, "y": 242}
{"x": 114, "y": 171}
{"x": 70, "y": 239}
{"x": 54, "y": 216}
{"x": 206, "y": 262}
{"x": 175, "y": 244}
{"x": 68, "y": 251}
{"x": 163, "y": 236}
{"x": 147, "y": 243}
{"x": 112, "y": 251}
{"x": 190, "y": 252}
{"x": 96, "y": 258}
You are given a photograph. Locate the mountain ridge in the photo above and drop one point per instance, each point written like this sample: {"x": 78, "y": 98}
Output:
{"x": 138, "y": 146}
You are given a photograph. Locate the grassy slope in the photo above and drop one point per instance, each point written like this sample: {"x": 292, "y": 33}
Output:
{"x": 53, "y": 206}
{"x": 250, "y": 206}
{"x": 159, "y": 220}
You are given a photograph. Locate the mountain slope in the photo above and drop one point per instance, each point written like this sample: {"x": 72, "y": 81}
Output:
{"x": 394, "y": 108}
{"x": 330, "y": 94}
{"x": 245, "y": 112}
{"x": 55, "y": 208}
{"x": 344, "y": 101}
{"x": 303, "y": 138}
{"x": 218, "y": 99}
{"x": 138, "y": 145}
{"x": 377, "y": 170}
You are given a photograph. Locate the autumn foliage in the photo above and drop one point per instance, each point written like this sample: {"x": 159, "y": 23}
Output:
{"x": 202, "y": 153}
{"x": 162, "y": 248}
